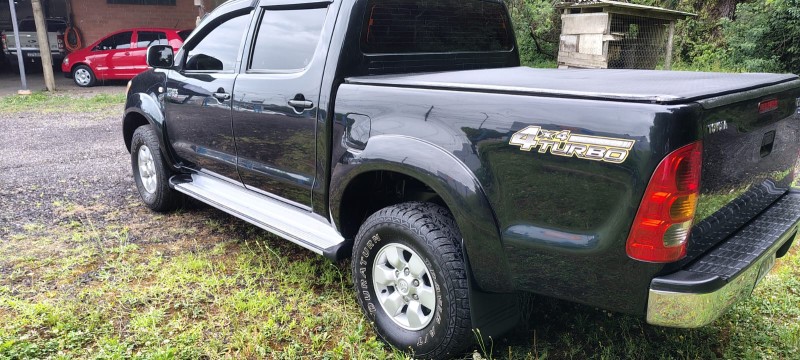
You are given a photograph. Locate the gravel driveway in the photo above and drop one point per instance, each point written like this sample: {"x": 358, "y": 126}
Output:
{"x": 70, "y": 157}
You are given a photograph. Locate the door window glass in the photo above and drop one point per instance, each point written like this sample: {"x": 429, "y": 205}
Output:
{"x": 218, "y": 50}
{"x": 149, "y": 38}
{"x": 116, "y": 42}
{"x": 287, "y": 39}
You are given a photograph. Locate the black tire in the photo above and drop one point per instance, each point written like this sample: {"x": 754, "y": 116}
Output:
{"x": 160, "y": 197}
{"x": 88, "y": 80}
{"x": 429, "y": 231}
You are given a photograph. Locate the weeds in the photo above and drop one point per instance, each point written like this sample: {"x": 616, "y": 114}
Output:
{"x": 95, "y": 281}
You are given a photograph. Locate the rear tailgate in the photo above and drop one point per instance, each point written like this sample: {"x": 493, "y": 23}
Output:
{"x": 751, "y": 144}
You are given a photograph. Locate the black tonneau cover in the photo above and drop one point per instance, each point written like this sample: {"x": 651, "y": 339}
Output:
{"x": 665, "y": 87}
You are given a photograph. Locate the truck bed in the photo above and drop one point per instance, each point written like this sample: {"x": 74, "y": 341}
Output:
{"x": 577, "y": 214}
{"x": 661, "y": 87}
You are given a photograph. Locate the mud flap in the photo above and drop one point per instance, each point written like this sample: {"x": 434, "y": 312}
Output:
{"x": 493, "y": 314}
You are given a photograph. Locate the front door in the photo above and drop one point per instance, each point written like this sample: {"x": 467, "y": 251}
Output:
{"x": 276, "y": 97}
{"x": 198, "y": 99}
{"x": 106, "y": 56}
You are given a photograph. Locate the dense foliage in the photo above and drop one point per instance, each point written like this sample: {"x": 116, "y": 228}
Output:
{"x": 726, "y": 35}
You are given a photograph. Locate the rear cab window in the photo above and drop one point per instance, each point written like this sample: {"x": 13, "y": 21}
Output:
{"x": 53, "y": 25}
{"x": 424, "y": 26}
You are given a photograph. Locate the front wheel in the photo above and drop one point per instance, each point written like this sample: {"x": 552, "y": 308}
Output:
{"x": 411, "y": 280}
{"x": 83, "y": 76}
{"x": 151, "y": 172}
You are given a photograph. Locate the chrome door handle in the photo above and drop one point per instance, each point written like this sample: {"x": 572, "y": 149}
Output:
{"x": 301, "y": 104}
{"x": 221, "y": 96}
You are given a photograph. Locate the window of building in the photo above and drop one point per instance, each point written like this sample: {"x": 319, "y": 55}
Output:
{"x": 150, "y": 38}
{"x": 115, "y": 42}
{"x": 219, "y": 49}
{"x": 287, "y": 39}
{"x": 142, "y": 2}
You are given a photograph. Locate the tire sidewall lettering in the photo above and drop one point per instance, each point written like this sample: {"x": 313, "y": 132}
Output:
{"x": 369, "y": 299}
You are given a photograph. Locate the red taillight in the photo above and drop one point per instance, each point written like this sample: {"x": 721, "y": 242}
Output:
{"x": 661, "y": 229}
{"x": 767, "y": 106}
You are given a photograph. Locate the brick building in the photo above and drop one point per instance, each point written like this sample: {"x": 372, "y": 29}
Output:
{"x": 96, "y": 18}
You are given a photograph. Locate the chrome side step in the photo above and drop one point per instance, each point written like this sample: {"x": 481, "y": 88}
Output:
{"x": 286, "y": 221}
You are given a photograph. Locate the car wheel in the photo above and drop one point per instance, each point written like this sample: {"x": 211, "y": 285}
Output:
{"x": 411, "y": 281}
{"x": 150, "y": 171}
{"x": 83, "y": 76}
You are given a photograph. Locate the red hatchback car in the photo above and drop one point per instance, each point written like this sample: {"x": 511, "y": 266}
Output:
{"x": 119, "y": 56}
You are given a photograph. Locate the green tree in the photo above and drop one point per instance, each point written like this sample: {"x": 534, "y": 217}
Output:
{"x": 538, "y": 27}
{"x": 765, "y": 36}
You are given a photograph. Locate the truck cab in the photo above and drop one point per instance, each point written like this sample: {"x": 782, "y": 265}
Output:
{"x": 404, "y": 135}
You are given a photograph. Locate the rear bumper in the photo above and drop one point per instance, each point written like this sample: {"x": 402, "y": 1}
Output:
{"x": 707, "y": 288}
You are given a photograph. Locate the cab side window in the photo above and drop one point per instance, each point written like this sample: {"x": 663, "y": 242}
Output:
{"x": 287, "y": 39}
{"x": 218, "y": 50}
{"x": 115, "y": 42}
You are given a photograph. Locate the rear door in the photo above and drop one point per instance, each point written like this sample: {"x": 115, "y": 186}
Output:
{"x": 276, "y": 97}
{"x": 144, "y": 39}
{"x": 199, "y": 97}
{"x": 122, "y": 64}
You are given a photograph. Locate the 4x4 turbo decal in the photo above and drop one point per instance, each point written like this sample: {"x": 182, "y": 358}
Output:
{"x": 564, "y": 143}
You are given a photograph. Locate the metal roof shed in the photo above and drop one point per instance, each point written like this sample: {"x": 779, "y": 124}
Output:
{"x": 609, "y": 34}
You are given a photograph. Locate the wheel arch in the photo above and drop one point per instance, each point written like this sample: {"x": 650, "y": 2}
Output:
{"x": 434, "y": 175}
{"x": 143, "y": 109}
{"x": 75, "y": 65}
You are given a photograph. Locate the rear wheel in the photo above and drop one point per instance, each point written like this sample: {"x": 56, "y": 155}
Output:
{"x": 411, "y": 280}
{"x": 150, "y": 171}
{"x": 83, "y": 76}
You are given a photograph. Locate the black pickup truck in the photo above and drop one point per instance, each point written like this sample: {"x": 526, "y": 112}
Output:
{"x": 403, "y": 134}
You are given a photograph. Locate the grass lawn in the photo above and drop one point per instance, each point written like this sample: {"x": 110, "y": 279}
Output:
{"x": 43, "y": 103}
{"x": 94, "y": 278}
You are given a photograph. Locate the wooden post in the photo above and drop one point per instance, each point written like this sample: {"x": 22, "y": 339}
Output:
{"x": 668, "y": 59}
{"x": 44, "y": 45}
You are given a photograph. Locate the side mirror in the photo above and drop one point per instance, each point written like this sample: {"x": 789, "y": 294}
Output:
{"x": 160, "y": 56}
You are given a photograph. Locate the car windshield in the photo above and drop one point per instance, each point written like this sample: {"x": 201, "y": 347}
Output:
{"x": 28, "y": 25}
